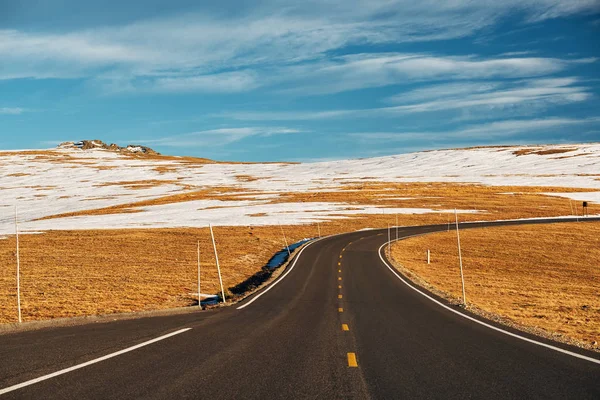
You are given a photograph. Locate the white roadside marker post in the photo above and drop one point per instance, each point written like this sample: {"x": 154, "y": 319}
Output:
{"x": 428, "y": 257}
{"x": 199, "y": 297}
{"x": 217, "y": 261}
{"x": 319, "y": 228}
{"x": 462, "y": 279}
{"x": 571, "y": 204}
{"x": 389, "y": 241}
{"x": 396, "y": 226}
{"x": 18, "y": 263}
{"x": 285, "y": 241}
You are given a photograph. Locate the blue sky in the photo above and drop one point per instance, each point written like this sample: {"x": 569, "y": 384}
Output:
{"x": 288, "y": 80}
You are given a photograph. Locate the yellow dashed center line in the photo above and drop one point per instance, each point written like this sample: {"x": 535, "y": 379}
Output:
{"x": 339, "y": 270}
{"x": 340, "y": 256}
{"x": 339, "y": 286}
{"x": 345, "y": 327}
{"x": 339, "y": 296}
{"x": 352, "y": 360}
{"x": 339, "y": 278}
{"x": 339, "y": 263}
{"x": 340, "y": 309}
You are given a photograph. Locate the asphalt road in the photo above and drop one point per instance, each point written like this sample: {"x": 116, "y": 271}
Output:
{"x": 291, "y": 342}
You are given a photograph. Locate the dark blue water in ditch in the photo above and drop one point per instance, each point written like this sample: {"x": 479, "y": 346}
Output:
{"x": 281, "y": 256}
{"x": 276, "y": 261}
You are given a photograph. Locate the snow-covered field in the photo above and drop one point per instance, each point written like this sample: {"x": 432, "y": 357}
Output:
{"x": 60, "y": 181}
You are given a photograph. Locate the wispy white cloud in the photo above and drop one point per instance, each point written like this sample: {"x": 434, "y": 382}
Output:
{"x": 517, "y": 53}
{"x": 287, "y": 115}
{"x": 516, "y": 127}
{"x": 217, "y": 137}
{"x": 12, "y": 110}
{"x": 227, "y": 82}
{"x": 453, "y": 97}
{"x": 547, "y": 9}
{"x": 443, "y": 91}
{"x": 180, "y": 52}
{"x": 491, "y": 130}
{"x": 517, "y": 97}
{"x": 373, "y": 70}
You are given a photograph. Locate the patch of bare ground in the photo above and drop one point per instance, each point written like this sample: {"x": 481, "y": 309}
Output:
{"x": 187, "y": 161}
{"x": 163, "y": 169}
{"x": 540, "y": 152}
{"x": 45, "y": 153}
{"x": 141, "y": 184}
{"x": 499, "y": 147}
{"x": 246, "y": 178}
{"x": 543, "y": 278}
{"x": 571, "y": 156}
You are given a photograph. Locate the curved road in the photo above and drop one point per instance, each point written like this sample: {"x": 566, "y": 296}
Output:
{"x": 339, "y": 325}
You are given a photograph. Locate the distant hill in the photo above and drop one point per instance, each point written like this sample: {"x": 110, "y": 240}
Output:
{"x": 92, "y": 185}
{"x": 99, "y": 144}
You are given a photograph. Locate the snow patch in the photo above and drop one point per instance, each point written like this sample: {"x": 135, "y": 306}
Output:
{"x": 45, "y": 186}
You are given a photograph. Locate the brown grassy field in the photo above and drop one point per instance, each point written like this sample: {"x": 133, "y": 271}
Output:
{"x": 541, "y": 152}
{"x": 72, "y": 273}
{"x": 76, "y": 273}
{"x": 546, "y": 277}
{"x": 492, "y": 201}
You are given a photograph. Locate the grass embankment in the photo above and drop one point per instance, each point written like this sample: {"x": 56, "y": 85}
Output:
{"x": 546, "y": 277}
{"x": 74, "y": 273}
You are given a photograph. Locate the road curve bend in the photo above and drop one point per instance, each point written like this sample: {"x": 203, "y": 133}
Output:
{"x": 338, "y": 324}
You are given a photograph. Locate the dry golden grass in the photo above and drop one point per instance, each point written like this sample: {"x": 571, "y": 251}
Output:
{"x": 18, "y": 174}
{"x": 541, "y": 276}
{"x": 246, "y": 178}
{"x": 491, "y": 201}
{"x": 75, "y": 273}
{"x": 42, "y": 153}
{"x": 141, "y": 184}
{"x": 218, "y": 193}
{"x": 522, "y": 152}
{"x": 163, "y": 169}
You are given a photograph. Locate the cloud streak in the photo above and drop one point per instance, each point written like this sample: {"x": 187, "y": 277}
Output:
{"x": 12, "y": 110}
{"x": 183, "y": 51}
{"x": 537, "y": 92}
{"x": 514, "y": 96}
{"x": 492, "y": 130}
{"x": 218, "y": 137}
{"x": 360, "y": 71}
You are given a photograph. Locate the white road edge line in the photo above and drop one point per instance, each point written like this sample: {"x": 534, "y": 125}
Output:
{"x": 548, "y": 346}
{"x": 282, "y": 276}
{"x": 85, "y": 364}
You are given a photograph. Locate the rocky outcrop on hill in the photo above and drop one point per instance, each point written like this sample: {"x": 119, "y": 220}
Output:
{"x": 99, "y": 144}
